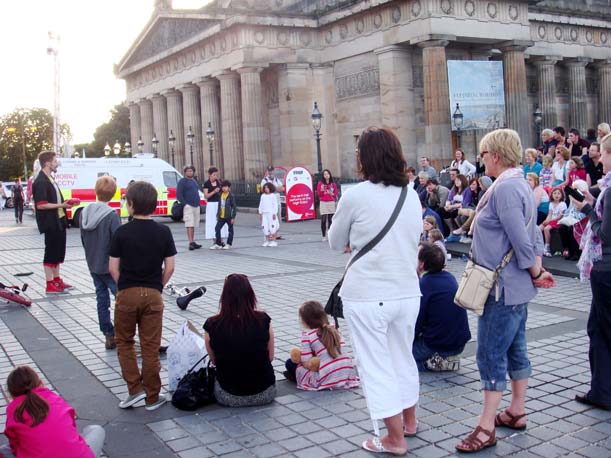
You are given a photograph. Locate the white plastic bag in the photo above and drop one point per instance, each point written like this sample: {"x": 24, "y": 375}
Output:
{"x": 185, "y": 349}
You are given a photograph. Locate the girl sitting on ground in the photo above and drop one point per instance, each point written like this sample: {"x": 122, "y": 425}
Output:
{"x": 436, "y": 238}
{"x": 323, "y": 341}
{"x": 429, "y": 223}
{"x": 557, "y": 207}
{"x": 39, "y": 423}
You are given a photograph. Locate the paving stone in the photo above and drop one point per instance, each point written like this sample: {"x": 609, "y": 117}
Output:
{"x": 185, "y": 443}
{"x": 223, "y": 448}
{"x": 268, "y": 450}
{"x": 199, "y": 452}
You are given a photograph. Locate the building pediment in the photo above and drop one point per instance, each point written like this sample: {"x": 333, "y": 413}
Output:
{"x": 165, "y": 34}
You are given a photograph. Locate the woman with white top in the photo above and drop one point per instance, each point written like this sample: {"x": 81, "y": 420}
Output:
{"x": 464, "y": 166}
{"x": 381, "y": 291}
{"x": 560, "y": 168}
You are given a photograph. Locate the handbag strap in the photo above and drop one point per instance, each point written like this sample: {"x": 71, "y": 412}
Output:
{"x": 373, "y": 242}
{"x": 198, "y": 361}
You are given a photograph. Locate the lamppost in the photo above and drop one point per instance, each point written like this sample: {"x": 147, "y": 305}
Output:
{"x": 107, "y": 150}
{"x": 172, "y": 142}
{"x": 155, "y": 144}
{"x": 538, "y": 118}
{"x": 210, "y": 136}
{"x": 117, "y": 148}
{"x": 316, "y": 123}
{"x": 128, "y": 149}
{"x": 190, "y": 137}
{"x": 457, "y": 116}
{"x": 140, "y": 145}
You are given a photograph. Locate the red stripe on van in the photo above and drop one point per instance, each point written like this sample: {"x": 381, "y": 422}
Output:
{"x": 171, "y": 193}
{"x": 85, "y": 195}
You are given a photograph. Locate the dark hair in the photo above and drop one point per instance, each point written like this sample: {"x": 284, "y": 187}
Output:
{"x": 432, "y": 257}
{"x": 187, "y": 167}
{"x": 46, "y": 156}
{"x": 410, "y": 170}
{"x": 432, "y": 181}
{"x": 578, "y": 162}
{"x": 463, "y": 184}
{"x": 455, "y": 170}
{"x": 211, "y": 170}
{"x": 574, "y": 132}
{"x": 559, "y": 130}
{"x": 381, "y": 158}
{"x": 476, "y": 181}
{"x": 591, "y": 133}
{"x": 313, "y": 315}
{"x": 595, "y": 144}
{"x": 272, "y": 188}
{"x": 322, "y": 176}
{"x": 142, "y": 196}
{"x": 226, "y": 183}
{"x": 238, "y": 304}
{"x": 21, "y": 381}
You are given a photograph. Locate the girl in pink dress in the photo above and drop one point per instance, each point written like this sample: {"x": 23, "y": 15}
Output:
{"x": 320, "y": 339}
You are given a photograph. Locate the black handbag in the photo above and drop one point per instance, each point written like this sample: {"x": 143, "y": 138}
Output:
{"x": 195, "y": 389}
{"x": 177, "y": 210}
{"x": 334, "y": 306}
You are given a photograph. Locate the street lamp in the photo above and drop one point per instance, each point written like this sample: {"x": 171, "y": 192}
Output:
{"x": 107, "y": 150}
{"x": 457, "y": 116}
{"x": 155, "y": 144}
{"x": 128, "y": 148}
{"x": 538, "y": 118}
{"x": 190, "y": 137}
{"x": 117, "y": 148}
{"x": 140, "y": 145}
{"x": 316, "y": 124}
{"x": 210, "y": 136}
{"x": 172, "y": 142}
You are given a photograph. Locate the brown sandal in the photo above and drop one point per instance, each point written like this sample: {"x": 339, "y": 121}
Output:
{"x": 472, "y": 443}
{"x": 512, "y": 423}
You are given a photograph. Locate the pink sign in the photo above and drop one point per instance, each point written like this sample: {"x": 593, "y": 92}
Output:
{"x": 299, "y": 195}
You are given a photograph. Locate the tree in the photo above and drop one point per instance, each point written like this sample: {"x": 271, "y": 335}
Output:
{"x": 117, "y": 129}
{"x": 32, "y": 127}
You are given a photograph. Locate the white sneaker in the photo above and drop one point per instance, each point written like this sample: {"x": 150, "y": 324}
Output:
{"x": 131, "y": 400}
{"x": 226, "y": 247}
{"x": 465, "y": 239}
{"x": 273, "y": 243}
{"x": 324, "y": 239}
{"x": 154, "y": 406}
{"x": 266, "y": 243}
{"x": 215, "y": 247}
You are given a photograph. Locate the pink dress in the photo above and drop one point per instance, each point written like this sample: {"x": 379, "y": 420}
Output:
{"x": 57, "y": 436}
{"x": 333, "y": 374}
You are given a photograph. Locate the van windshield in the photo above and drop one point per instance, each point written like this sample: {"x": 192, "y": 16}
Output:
{"x": 170, "y": 179}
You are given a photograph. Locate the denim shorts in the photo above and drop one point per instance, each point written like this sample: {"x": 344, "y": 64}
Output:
{"x": 501, "y": 344}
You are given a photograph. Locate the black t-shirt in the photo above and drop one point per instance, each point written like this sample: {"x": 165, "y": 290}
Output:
{"x": 17, "y": 191}
{"x": 242, "y": 361}
{"x": 211, "y": 187}
{"x": 141, "y": 245}
{"x": 594, "y": 171}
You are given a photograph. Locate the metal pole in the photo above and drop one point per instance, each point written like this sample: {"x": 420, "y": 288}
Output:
{"x": 318, "y": 153}
{"x": 458, "y": 136}
{"x": 210, "y": 147}
{"x": 173, "y": 162}
{"x": 191, "y": 152}
{"x": 25, "y": 160}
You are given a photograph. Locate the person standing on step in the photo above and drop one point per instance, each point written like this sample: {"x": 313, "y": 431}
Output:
{"x": 187, "y": 193}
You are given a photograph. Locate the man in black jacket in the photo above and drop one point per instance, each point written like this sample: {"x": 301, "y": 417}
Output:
{"x": 51, "y": 220}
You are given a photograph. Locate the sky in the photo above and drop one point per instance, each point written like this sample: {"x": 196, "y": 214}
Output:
{"x": 94, "y": 35}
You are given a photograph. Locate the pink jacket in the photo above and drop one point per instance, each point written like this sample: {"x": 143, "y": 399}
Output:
{"x": 327, "y": 192}
{"x": 56, "y": 436}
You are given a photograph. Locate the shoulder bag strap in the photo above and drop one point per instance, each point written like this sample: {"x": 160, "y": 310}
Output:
{"x": 383, "y": 232}
{"x": 199, "y": 361}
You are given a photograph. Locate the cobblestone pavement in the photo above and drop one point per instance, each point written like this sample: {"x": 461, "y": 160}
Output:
{"x": 300, "y": 424}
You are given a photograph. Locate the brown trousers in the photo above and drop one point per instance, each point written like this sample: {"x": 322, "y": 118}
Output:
{"x": 141, "y": 308}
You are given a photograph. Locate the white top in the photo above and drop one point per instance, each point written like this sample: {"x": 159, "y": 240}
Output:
{"x": 556, "y": 209}
{"x": 558, "y": 171}
{"x": 464, "y": 168}
{"x": 389, "y": 270}
{"x": 268, "y": 204}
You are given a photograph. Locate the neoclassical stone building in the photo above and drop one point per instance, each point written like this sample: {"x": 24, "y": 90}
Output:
{"x": 253, "y": 69}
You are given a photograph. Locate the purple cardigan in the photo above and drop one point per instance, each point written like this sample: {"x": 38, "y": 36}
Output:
{"x": 467, "y": 197}
{"x": 500, "y": 226}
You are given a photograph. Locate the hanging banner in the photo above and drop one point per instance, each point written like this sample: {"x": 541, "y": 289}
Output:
{"x": 299, "y": 191}
{"x": 478, "y": 87}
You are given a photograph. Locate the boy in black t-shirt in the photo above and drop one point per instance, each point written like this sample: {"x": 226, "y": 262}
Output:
{"x": 141, "y": 262}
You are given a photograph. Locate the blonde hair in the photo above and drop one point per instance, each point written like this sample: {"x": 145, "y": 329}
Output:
{"x": 534, "y": 177}
{"x": 546, "y": 161}
{"x": 605, "y": 143}
{"x": 532, "y": 153}
{"x": 105, "y": 188}
{"x": 506, "y": 143}
{"x": 606, "y": 130}
{"x": 435, "y": 235}
{"x": 566, "y": 154}
{"x": 548, "y": 132}
{"x": 431, "y": 220}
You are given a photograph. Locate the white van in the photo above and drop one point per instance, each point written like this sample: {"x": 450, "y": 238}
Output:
{"x": 76, "y": 178}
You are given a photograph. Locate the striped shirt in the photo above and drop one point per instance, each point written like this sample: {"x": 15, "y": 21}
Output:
{"x": 333, "y": 373}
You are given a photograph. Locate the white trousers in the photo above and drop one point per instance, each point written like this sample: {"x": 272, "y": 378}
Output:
{"x": 382, "y": 334}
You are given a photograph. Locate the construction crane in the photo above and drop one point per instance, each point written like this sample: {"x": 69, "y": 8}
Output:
{"x": 53, "y": 50}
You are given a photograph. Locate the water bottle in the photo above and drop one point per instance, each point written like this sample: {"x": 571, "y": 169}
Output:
{"x": 464, "y": 257}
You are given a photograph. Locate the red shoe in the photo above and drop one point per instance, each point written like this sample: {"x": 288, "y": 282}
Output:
{"x": 63, "y": 285}
{"x": 54, "y": 288}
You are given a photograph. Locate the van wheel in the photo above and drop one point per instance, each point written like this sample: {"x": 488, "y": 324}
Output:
{"x": 76, "y": 219}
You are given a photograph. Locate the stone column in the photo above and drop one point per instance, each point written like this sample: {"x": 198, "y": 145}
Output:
{"x": 134, "y": 125}
{"x": 192, "y": 118}
{"x": 397, "y": 97}
{"x": 578, "y": 106}
{"x": 211, "y": 113}
{"x": 604, "y": 96}
{"x": 295, "y": 106}
{"x": 436, "y": 101}
{"x": 516, "y": 89}
{"x": 254, "y": 133}
{"x": 146, "y": 124}
{"x": 231, "y": 126}
{"x": 175, "y": 125}
{"x": 546, "y": 82}
{"x": 160, "y": 123}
